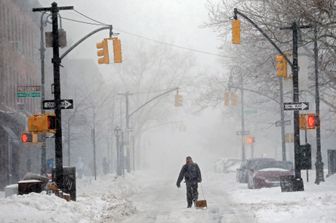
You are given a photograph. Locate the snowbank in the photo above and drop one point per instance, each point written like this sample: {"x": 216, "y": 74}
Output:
{"x": 317, "y": 203}
{"x": 97, "y": 201}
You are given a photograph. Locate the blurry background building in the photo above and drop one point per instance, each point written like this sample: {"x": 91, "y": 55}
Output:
{"x": 19, "y": 66}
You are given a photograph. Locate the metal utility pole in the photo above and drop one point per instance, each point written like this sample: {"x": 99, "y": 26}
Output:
{"x": 296, "y": 99}
{"x": 117, "y": 133}
{"x": 243, "y": 135}
{"x": 282, "y": 120}
{"x": 295, "y": 70}
{"x": 318, "y": 163}
{"x": 127, "y": 130}
{"x": 93, "y": 135}
{"x": 54, "y": 9}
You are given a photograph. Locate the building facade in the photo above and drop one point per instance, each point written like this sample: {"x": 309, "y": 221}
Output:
{"x": 19, "y": 66}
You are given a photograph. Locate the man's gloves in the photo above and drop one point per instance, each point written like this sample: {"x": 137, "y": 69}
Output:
{"x": 178, "y": 185}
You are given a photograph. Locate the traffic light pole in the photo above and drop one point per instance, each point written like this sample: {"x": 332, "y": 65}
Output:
{"x": 242, "y": 117}
{"x": 128, "y": 116}
{"x": 282, "y": 114}
{"x": 318, "y": 163}
{"x": 57, "y": 90}
{"x": 295, "y": 71}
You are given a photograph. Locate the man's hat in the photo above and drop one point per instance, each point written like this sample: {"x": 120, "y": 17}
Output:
{"x": 188, "y": 158}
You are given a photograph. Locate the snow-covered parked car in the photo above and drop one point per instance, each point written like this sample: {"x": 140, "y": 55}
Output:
{"x": 268, "y": 173}
{"x": 242, "y": 171}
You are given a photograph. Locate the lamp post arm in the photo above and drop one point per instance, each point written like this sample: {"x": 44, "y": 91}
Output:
{"x": 85, "y": 37}
{"x": 152, "y": 99}
{"x": 263, "y": 33}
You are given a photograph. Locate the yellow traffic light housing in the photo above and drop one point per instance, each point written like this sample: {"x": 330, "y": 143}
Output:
{"x": 302, "y": 121}
{"x": 234, "y": 99}
{"x": 281, "y": 66}
{"x": 102, "y": 53}
{"x": 178, "y": 100}
{"x": 116, "y": 50}
{"x": 226, "y": 98}
{"x": 235, "y": 31}
{"x": 289, "y": 137}
{"x": 42, "y": 123}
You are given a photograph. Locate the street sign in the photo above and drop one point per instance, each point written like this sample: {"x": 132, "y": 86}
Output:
{"x": 296, "y": 106}
{"x": 28, "y": 94}
{"x": 244, "y": 133}
{"x": 28, "y": 91}
{"x": 65, "y": 104}
{"x": 285, "y": 122}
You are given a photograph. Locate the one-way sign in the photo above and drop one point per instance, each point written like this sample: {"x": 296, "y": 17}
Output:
{"x": 65, "y": 104}
{"x": 296, "y": 106}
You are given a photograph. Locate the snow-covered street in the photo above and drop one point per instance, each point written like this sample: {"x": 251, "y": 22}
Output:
{"x": 149, "y": 198}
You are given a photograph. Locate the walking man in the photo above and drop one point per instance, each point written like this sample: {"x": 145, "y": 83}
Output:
{"x": 192, "y": 176}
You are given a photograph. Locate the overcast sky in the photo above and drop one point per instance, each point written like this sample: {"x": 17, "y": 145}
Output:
{"x": 174, "y": 21}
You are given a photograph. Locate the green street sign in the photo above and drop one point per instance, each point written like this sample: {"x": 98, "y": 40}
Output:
{"x": 33, "y": 94}
{"x": 28, "y": 91}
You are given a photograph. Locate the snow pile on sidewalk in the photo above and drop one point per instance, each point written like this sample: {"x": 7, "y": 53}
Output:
{"x": 317, "y": 203}
{"x": 103, "y": 200}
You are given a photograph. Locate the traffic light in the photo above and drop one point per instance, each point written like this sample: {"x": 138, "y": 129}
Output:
{"x": 303, "y": 121}
{"x": 226, "y": 98}
{"x": 234, "y": 99}
{"x": 250, "y": 140}
{"x": 289, "y": 137}
{"x": 117, "y": 50}
{"x": 311, "y": 121}
{"x": 102, "y": 53}
{"x": 178, "y": 100}
{"x": 42, "y": 123}
{"x": 235, "y": 31}
{"x": 281, "y": 66}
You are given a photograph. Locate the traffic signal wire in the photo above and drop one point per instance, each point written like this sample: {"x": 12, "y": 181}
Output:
{"x": 98, "y": 23}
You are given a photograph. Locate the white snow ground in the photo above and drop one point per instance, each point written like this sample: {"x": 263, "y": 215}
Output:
{"x": 147, "y": 197}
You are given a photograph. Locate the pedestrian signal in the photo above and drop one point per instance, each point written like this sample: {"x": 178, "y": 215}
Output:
{"x": 311, "y": 121}
{"x": 26, "y": 137}
{"x": 250, "y": 140}
{"x": 29, "y": 137}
